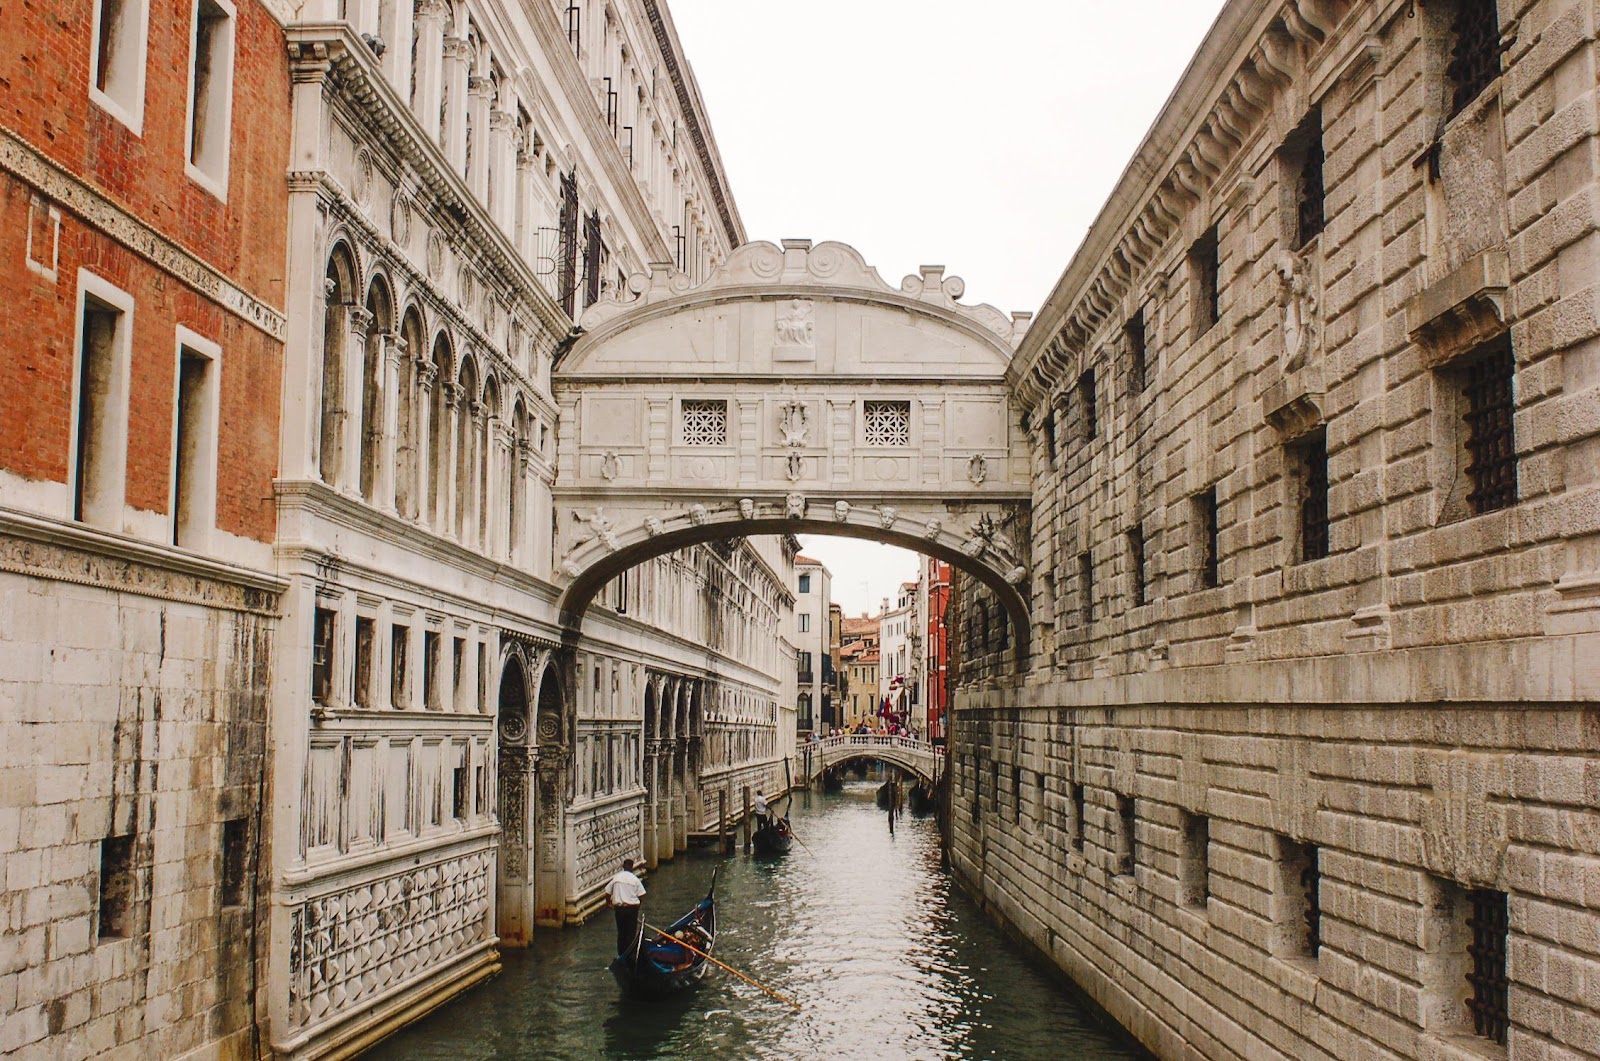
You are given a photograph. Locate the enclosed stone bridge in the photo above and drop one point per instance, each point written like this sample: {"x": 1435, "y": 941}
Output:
{"x": 914, "y": 756}
{"x": 794, "y": 391}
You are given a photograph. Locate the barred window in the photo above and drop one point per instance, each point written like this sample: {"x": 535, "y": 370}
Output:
{"x": 1491, "y": 438}
{"x": 887, "y": 423}
{"x": 1088, "y": 405}
{"x": 1136, "y": 564}
{"x": 1086, "y": 587}
{"x": 1079, "y": 804}
{"x": 1488, "y": 1003}
{"x": 1311, "y": 465}
{"x": 1138, "y": 367}
{"x": 1205, "y": 270}
{"x": 705, "y": 422}
{"x": 1205, "y": 504}
{"x": 1475, "y": 56}
{"x": 1302, "y": 167}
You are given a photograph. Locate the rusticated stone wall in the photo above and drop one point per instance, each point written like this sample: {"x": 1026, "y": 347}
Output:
{"x": 1309, "y": 736}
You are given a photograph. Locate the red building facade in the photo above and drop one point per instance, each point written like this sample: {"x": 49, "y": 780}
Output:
{"x": 143, "y": 199}
{"x": 937, "y": 574}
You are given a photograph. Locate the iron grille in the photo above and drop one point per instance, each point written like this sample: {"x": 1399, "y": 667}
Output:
{"x": 1475, "y": 59}
{"x": 1210, "y": 559}
{"x": 575, "y": 28}
{"x": 1134, "y": 330}
{"x": 1086, "y": 401}
{"x": 1311, "y": 891}
{"x": 1314, "y": 497}
{"x": 612, "y": 108}
{"x": 567, "y": 271}
{"x": 1491, "y": 438}
{"x": 1086, "y": 587}
{"x": 1490, "y": 999}
{"x": 1136, "y": 563}
{"x": 1309, "y": 189}
{"x": 322, "y": 656}
{"x": 1206, "y": 268}
{"x": 591, "y": 258}
{"x": 1078, "y": 804}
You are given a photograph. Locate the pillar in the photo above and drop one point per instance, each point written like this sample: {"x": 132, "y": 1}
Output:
{"x": 352, "y": 426}
{"x": 394, "y": 352}
{"x": 431, "y": 18}
{"x": 452, "y": 439}
{"x": 421, "y": 442}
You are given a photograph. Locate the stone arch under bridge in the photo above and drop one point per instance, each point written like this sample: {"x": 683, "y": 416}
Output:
{"x": 792, "y": 391}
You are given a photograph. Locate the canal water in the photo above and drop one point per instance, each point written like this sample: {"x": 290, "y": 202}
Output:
{"x": 887, "y": 958}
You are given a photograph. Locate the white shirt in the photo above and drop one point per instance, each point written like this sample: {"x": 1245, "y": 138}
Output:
{"x": 625, "y": 889}
{"x": 761, "y": 804}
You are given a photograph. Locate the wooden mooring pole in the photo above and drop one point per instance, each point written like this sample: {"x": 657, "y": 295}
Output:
{"x": 724, "y": 841}
{"x": 747, "y": 816}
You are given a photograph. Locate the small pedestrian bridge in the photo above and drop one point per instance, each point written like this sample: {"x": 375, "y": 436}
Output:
{"x": 914, "y": 756}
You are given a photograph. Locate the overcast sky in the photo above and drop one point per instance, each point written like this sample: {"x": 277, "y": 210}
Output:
{"x": 983, "y": 137}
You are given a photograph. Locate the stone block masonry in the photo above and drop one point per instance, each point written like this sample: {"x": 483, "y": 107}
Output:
{"x": 1305, "y": 765}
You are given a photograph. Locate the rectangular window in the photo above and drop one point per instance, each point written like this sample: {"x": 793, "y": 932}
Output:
{"x": 1474, "y": 53}
{"x": 805, "y": 583}
{"x": 1300, "y": 162}
{"x": 235, "y": 879}
{"x": 1466, "y": 988}
{"x": 399, "y": 665}
{"x": 1086, "y": 404}
{"x": 366, "y": 648}
{"x": 1079, "y": 806}
{"x": 1048, "y": 430}
{"x": 458, "y": 669}
{"x": 705, "y": 422}
{"x": 432, "y": 646}
{"x": 119, "y": 35}
{"x": 323, "y": 630}
{"x": 1489, "y": 405}
{"x": 1205, "y": 270}
{"x": 1205, "y": 508}
{"x": 886, "y": 423}
{"x": 1135, "y": 538}
{"x": 211, "y": 94}
{"x": 1300, "y": 876}
{"x": 100, "y": 416}
{"x": 805, "y": 623}
{"x": 1195, "y": 866}
{"x": 1127, "y": 823}
{"x": 194, "y": 464}
{"x": 1086, "y": 587}
{"x": 621, "y": 584}
{"x": 1016, "y": 794}
{"x": 483, "y": 678}
{"x": 1138, "y": 369}
{"x": 1309, "y": 458}
{"x": 459, "y": 788}
{"x": 116, "y": 887}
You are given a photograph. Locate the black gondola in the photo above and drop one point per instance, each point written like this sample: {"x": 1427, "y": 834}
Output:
{"x": 774, "y": 837}
{"x": 659, "y": 965}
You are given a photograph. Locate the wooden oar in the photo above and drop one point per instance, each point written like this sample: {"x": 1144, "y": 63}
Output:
{"x": 796, "y": 837}
{"x": 723, "y": 965}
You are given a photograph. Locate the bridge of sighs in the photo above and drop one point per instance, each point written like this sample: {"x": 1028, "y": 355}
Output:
{"x": 793, "y": 391}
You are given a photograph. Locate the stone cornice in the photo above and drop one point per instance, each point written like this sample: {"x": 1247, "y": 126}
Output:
{"x": 693, "y": 108}
{"x": 1255, "y": 51}
{"x": 31, "y": 166}
{"x": 88, "y": 556}
{"x": 331, "y": 52}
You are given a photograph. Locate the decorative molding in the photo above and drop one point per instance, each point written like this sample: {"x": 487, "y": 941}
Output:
{"x": 30, "y": 166}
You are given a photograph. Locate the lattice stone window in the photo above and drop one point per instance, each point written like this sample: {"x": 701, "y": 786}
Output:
{"x": 705, "y": 422}
{"x": 887, "y": 423}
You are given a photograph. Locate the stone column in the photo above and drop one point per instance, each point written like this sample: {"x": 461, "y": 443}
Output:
{"x": 515, "y": 893}
{"x": 453, "y": 136}
{"x": 478, "y": 457}
{"x": 651, "y": 802}
{"x": 502, "y": 161}
{"x": 394, "y": 352}
{"x": 355, "y": 371}
{"x": 522, "y": 525}
{"x": 495, "y": 460}
{"x": 480, "y": 90}
{"x": 525, "y": 224}
{"x": 432, "y": 16}
{"x": 447, "y": 480}
{"x": 422, "y": 443}
{"x": 397, "y": 33}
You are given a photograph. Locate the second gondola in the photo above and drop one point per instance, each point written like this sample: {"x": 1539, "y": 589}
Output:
{"x": 661, "y": 964}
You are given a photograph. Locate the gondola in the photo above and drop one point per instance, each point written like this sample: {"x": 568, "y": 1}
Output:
{"x": 657, "y": 966}
{"x": 920, "y": 800}
{"x": 774, "y": 837}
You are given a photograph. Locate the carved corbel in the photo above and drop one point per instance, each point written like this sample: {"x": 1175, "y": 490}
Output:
{"x": 1277, "y": 57}
{"x": 1253, "y": 88}
{"x": 1185, "y": 176}
{"x": 1301, "y": 30}
{"x": 1320, "y": 14}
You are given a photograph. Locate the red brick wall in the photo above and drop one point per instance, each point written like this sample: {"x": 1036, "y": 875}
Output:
{"x": 44, "y": 98}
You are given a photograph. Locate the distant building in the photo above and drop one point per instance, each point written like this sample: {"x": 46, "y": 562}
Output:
{"x": 812, "y": 639}
{"x": 838, "y": 686}
{"x": 935, "y": 597}
{"x": 900, "y": 672}
{"x": 858, "y": 654}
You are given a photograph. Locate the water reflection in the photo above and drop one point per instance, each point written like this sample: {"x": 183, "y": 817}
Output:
{"x": 864, "y": 930}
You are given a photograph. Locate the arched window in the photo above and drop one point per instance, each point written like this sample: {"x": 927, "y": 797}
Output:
{"x": 439, "y": 433}
{"x": 407, "y": 457}
{"x": 339, "y": 289}
{"x": 466, "y": 440}
{"x": 381, "y": 307}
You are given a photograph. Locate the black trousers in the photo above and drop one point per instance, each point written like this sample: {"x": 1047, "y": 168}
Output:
{"x": 627, "y": 927}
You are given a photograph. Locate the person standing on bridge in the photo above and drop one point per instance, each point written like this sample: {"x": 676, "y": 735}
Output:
{"x": 624, "y": 893}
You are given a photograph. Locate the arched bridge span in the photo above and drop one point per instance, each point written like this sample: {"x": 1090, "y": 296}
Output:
{"x": 793, "y": 391}
{"x": 914, "y": 756}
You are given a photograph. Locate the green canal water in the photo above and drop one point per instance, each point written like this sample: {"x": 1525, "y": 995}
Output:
{"x": 887, "y": 958}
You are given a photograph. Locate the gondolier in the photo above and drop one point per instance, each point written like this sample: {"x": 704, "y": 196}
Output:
{"x": 761, "y": 807}
{"x": 624, "y": 893}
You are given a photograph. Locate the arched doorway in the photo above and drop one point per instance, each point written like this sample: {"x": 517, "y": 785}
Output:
{"x": 533, "y": 749}
{"x": 515, "y": 900}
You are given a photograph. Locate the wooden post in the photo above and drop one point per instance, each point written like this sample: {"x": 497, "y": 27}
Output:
{"x": 724, "y": 842}
{"x": 747, "y": 816}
